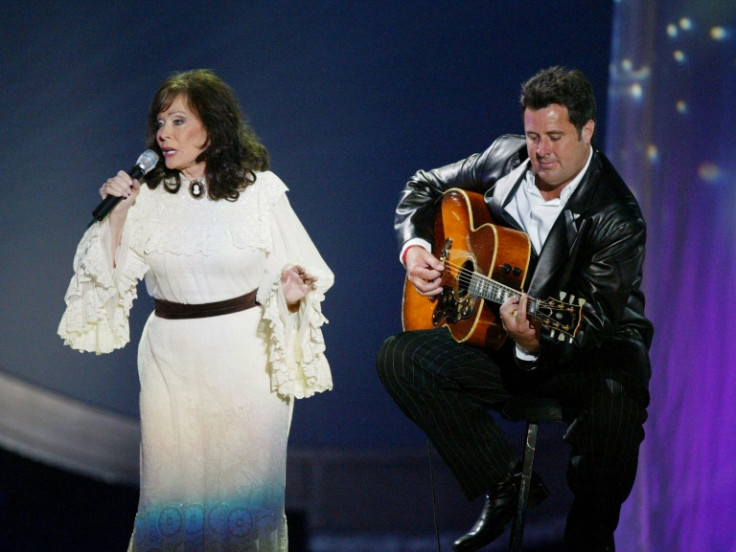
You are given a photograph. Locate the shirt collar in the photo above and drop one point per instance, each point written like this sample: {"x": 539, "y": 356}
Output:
{"x": 567, "y": 190}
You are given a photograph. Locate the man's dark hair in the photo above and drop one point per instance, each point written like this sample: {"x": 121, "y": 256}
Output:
{"x": 558, "y": 85}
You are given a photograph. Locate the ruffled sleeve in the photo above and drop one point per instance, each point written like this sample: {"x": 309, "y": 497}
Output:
{"x": 99, "y": 297}
{"x": 296, "y": 345}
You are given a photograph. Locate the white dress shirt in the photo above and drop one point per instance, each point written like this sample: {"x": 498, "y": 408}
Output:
{"x": 535, "y": 215}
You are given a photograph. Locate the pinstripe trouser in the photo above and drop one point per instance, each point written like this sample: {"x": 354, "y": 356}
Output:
{"x": 448, "y": 388}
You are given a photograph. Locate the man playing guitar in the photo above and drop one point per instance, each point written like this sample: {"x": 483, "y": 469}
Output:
{"x": 584, "y": 236}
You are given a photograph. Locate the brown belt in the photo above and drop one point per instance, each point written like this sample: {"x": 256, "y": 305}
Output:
{"x": 167, "y": 309}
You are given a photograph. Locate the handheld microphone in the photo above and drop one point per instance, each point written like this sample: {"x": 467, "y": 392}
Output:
{"x": 146, "y": 162}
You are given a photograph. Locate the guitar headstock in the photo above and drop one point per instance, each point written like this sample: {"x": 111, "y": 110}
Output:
{"x": 562, "y": 317}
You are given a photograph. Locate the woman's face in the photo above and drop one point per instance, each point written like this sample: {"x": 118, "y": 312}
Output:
{"x": 182, "y": 137}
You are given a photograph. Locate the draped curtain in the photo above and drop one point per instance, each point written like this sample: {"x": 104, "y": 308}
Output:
{"x": 671, "y": 133}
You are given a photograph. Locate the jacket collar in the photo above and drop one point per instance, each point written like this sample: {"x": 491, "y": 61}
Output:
{"x": 563, "y": 237}
{"x": 502, "y": 192}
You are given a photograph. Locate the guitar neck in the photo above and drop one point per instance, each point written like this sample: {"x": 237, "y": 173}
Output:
{"x": 491, "y": 290}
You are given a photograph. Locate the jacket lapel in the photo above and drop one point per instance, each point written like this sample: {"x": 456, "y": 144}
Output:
{"x": 564, "y": 238}
{"x": 501, "y": 194}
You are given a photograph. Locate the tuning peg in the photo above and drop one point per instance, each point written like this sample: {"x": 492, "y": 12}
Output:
{"x": 563, "y": 295}
{"x": 581, "y": 301}
{"x": 552, "y": 333}
{"x": 561, "y": 337}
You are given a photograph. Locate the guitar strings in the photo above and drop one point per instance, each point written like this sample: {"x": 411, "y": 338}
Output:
{"x": 464, "y": 276}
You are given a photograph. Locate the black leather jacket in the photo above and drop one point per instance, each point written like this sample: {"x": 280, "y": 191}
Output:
{"x": 595, "y": 250}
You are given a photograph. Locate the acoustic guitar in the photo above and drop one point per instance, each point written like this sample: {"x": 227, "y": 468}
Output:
{"x": 485, "y": 264}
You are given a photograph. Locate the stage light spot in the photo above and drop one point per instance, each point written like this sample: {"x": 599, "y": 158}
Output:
{"x": 636, "y": 91}
{"x": 679, "y": 56}
{"x": 710, "y": 172}
{"x": 686, "y": 24}
{"x": 681, "y": 106}
{"x": 718, "y": 33}
{"x": 672, "y": 30}
{"x": 652, "y": 153}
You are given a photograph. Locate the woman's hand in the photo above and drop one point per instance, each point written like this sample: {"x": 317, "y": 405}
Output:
{"x": 295, "y": 284}
{"x": 120, "y": 185}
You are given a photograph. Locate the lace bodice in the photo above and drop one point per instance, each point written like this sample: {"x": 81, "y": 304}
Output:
{"x": 196, "y": 251}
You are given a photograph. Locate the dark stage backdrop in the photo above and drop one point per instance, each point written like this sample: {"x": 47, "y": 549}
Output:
{"x": 350, "y": 98}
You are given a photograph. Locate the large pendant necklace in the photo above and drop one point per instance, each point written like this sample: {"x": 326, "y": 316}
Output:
{"x": 196, "y": 189}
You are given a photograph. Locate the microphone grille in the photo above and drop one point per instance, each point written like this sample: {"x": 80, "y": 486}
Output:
{"x": 147, "y": 160}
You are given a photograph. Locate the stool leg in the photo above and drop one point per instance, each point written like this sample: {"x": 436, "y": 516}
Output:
{"x": 530, "y": 447}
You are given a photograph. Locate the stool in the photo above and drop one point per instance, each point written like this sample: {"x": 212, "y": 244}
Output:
{"x": 533, "y": 411}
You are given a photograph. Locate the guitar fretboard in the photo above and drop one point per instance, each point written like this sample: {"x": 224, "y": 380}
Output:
{"x": 491, "y": 290}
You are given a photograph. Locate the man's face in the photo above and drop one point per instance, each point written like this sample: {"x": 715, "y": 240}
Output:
{"x": 556, "y": 151}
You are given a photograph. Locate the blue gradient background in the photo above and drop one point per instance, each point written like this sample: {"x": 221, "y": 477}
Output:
{"x": 351, "y": 98}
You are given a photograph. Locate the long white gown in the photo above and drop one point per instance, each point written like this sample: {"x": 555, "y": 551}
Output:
{"x": 216, "y": 393}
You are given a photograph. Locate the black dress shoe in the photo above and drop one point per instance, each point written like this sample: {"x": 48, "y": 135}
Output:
{"x": 498, "y": 511}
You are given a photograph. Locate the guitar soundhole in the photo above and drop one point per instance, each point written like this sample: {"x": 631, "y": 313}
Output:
{"x": 456, "y": 303}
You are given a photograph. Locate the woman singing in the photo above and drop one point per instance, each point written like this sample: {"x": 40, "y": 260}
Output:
{"x": 235, "y": 336}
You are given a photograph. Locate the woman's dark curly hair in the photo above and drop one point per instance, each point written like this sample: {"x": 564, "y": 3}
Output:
{"x": 233, "y": 153}
{"x": 557, "y": 85}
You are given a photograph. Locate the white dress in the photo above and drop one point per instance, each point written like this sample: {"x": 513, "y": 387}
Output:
{"x": 216, "y": 393}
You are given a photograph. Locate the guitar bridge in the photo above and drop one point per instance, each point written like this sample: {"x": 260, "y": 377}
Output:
{"x": 450, "y": 309}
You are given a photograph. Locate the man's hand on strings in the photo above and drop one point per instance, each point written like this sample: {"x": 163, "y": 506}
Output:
{"x": 423, "y": 270}
{"x": 522, "y": 328}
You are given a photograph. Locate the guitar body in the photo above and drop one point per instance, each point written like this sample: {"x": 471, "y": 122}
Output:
{"x": 476, "y": 245}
